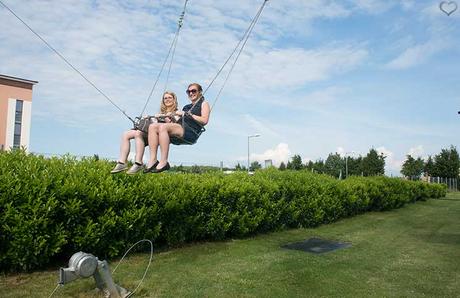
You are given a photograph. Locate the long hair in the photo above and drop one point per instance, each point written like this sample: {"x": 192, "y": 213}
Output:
{"x": 163, "y": 108}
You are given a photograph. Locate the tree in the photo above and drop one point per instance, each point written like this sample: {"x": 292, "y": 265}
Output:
{"x": 296, "y": 163}
{"x": 429, "y": 168}
{"x": 354, "y": 166}
{"x": 412, "y": 168}
{"x": 447, "y": 163}
{"x": 282, "y": 166}
{"x": 255, "y": 165}
{"x": 373, "y": 164}
{"x": 240, "y": 167}
{"x": 334, "y": 165}
{"x": 196, "y": 169}
{"x": 318, "y": 166}
{"x": 309, "y": 165}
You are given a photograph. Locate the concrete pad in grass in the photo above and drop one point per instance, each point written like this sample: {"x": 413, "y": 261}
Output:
{"x": 316, "y": 245}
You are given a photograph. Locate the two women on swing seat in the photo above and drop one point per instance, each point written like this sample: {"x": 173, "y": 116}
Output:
{"x": 195, "y": 114}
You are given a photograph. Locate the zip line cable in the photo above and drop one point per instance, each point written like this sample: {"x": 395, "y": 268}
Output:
{"x": 181, "y": 19}
{"x": 245, "y": 37}
{"x": 171, "y": 48}
{"x": 67, "y": 62}
{"x": 233, "y": 52}
{"x": 170, "y": 65}
{"x": 171, "y": 52}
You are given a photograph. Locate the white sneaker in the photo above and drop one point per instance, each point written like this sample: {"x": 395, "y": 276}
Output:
{"x": 120, "y": 167}
{"x": 134, "y": 169}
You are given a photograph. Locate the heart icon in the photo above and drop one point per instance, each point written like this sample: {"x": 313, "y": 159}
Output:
{"x": 448, "y": 7}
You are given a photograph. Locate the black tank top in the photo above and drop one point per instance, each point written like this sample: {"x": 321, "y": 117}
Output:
{"x": 195, "y": 110}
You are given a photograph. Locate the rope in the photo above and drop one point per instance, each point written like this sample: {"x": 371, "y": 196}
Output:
{"x": 243, "y": 40}
{"x": 54, "y": 291}
{"x": 66, "y": 61}
{"x": 172, "y": 48}
{"x": 170, "y": 65}
{"x": 146, "y": 269}
{"x": 239, "y": 53}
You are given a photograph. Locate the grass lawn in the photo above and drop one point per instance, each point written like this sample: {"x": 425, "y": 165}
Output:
{"x": 410, "y": 252}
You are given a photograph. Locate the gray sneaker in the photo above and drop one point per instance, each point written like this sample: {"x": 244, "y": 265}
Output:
{"x": 120, "y": 167}
{"x": 134, "y": 169}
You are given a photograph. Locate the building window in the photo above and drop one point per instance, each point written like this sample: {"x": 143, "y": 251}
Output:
{"x": 18, "y": 124}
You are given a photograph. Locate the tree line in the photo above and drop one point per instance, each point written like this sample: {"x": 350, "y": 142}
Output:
{"x": 445, "y": 164}
{"x": 372, "y": 164}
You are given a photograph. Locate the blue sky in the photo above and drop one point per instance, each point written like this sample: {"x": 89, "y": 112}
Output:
{"x": 316, "y": 77}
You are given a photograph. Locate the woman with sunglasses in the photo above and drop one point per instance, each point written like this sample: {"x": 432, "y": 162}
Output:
{"x": 196, "y": 115}
{"x": 167, "y": 108}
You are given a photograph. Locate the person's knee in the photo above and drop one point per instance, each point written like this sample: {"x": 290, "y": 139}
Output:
{"x": 153, "y": 127}
{"x": 162, "y": 128}
{"x": 127, "y": 135}
{"x": 138, "y": 134}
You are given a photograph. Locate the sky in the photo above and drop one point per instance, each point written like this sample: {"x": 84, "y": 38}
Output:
{"x": 316, "y": 77}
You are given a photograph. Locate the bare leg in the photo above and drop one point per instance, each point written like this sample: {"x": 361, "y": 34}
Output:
{"x": 153, "y": 143}
{"x": 164, "y": 132}
{"x": 164, "y": 146}
{"x": 125, "y": 145}
{"x": 140, "y": 146}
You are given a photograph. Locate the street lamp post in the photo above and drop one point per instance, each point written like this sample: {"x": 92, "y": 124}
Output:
{"x": 251, "y": 136}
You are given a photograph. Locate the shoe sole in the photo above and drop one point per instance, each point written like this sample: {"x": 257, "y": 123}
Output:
{"x": 118, "y": 171}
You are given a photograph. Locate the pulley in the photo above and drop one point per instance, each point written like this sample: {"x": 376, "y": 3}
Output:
{"x": 84, "y": 265}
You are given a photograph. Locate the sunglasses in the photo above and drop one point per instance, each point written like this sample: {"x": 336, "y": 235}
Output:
{"x": 193, "y": 91}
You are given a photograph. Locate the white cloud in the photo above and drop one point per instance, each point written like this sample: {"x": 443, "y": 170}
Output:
{"x": 324, "y": 96}
{"x": 295, "y": 67}
{"x": 280, "y": 153}
{"x": 373, "y": 6}
{"x": 416, "y": 55}
{"x": 350, "y": 153}
{"x": 392, "y": 165}
{"x": 407, "y": 4}
{"x": 261, "y": 127}
{"x": 416, "y": 152}
{"x": 120, "y": 49}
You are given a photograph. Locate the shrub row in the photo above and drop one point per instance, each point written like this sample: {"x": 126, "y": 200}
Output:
{"x": 53, "y": 207}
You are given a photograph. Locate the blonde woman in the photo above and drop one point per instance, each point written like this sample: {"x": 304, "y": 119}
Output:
{"x": 167, "y": 109}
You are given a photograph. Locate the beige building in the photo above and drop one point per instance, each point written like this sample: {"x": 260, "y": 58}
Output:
{"x": 15, "y": 112}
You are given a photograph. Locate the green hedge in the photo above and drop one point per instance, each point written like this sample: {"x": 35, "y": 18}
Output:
{"x": 53, "y": 207}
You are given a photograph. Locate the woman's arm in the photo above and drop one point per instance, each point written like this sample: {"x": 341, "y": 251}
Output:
{"x": 205, "y": 111}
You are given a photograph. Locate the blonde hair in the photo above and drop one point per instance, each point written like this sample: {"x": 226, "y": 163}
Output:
{"x": 163, "y": 108}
